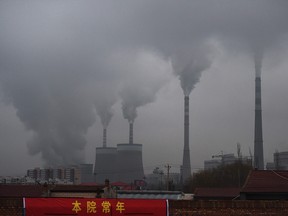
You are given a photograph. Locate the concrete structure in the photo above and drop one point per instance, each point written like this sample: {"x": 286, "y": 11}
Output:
{"x": 225, "y": 159}
{"x": 123, "y": 163}
{"x": 131, "y": 133}
{"x": 76, "y": 174}
{"x": 105, "y": 164}
{"x": 105, "y": 161}
{"x": 258, "y": 136}
{"x": 58, "y": 173}
{"x": 86, "y": 173}
{"x": 129, "y": 162}
{"x": 186, "y": 164}
{"x": 280, "y": 161}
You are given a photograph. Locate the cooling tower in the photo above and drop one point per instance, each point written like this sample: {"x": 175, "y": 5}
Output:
{"x": 186, "y": 165}
{"x": 258, "y": 137}
{"x": 105, "y": 164}
{"x": 129, "y": 162}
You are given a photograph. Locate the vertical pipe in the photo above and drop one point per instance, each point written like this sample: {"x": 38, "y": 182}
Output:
{"x": 258, "y": 136}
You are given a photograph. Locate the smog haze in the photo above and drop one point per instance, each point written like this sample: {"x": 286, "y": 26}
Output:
{"x": 70, "y": 68}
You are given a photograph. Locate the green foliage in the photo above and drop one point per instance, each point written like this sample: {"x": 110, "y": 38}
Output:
{"x": 232, "y": 175}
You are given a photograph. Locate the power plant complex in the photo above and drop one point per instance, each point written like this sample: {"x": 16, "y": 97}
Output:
{"x": 123, "y": 163}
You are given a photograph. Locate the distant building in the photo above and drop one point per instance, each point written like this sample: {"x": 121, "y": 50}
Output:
{"x": 156, "y": 179}
{"x": 280, "y": 161}
{"x": 77, "y": 174}
{"x": 58, "y": 173}
{"x": 225, "y": 159}
{"x": 211, "y": 164}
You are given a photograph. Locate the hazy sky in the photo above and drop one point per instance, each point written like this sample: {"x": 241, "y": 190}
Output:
{"x": 69, "y": 68}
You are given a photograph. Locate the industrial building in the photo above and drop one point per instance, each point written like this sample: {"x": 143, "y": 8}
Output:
{"x": 123, "y": 163}
{"x": 76, "y": 174}
{"x": 280, "y": 161}
{"x": 225, "y": 159}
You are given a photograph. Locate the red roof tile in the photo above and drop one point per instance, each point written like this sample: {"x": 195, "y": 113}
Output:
{"x": 216, "y": 192}
{"x": 21, "y": 190}
{"x": 266, "y": 181}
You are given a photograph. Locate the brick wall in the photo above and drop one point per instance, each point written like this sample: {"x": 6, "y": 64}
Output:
{"x": 227, "y": 208}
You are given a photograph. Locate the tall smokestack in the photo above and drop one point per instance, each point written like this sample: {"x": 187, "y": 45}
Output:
{"x": 186, "y": 166}
{"x": 130, "y": 132}
{"x": 258, "y": 136}
{"x": 104, "y": 137}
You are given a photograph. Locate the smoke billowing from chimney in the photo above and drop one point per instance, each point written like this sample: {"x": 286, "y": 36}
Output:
{"x": 57, "y": 110}
{"x": 258, "y": 57}
{"x": 145, "y": 75}
{"x": 189, "y": 65}
{"x": 104, "y": 110}
{"x": 134, "y": 97}
{"x": 49, "y": 51}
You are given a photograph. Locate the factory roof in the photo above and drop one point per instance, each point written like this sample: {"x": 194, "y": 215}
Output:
{"x": 216, "y": 193}
{"x": 264, "y": 181}
{"x": 150, "y": 194}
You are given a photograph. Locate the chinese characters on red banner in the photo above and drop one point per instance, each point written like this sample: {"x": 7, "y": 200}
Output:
{"x": 94, "y": 206}
{"x": 103, "y": 206}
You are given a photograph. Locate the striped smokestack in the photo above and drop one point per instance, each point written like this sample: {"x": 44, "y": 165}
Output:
{"x": 186, "y": 165}
{"x": 130, "y": 133}
{"x": 258, "y": 136}
{"x": 104, "y": 137}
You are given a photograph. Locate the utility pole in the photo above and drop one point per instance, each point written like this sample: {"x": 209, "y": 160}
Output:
{"x": 161, "y": 174}
{"x": 167, "y": 181}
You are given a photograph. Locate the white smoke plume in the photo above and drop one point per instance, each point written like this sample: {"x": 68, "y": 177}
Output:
{"x": 104, "y": 103}
{"x": 50, "y": 50}
{"x": 189, "y": 65}
{"x": 258, "y": 57}
{"x": 145, "y": 76}
{"x": 105, "y": 112}
{"x": 55, "y": 108}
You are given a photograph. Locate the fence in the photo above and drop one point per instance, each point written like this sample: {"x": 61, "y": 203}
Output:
{"x": 13, "y": 207}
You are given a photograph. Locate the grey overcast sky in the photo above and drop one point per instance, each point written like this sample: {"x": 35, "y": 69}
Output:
{"x": 70, "y": 67}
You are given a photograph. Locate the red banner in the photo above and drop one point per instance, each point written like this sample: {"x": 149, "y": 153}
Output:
{"x": 96, "y": 207}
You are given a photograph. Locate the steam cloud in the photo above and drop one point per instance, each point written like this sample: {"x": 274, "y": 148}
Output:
{"x": 103, "y": 104}
{"x": 189, "y": 71}
{"x": 50, "y": 51}
{"x": 146, "y": 75}
{"x": 258, "y": 57}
